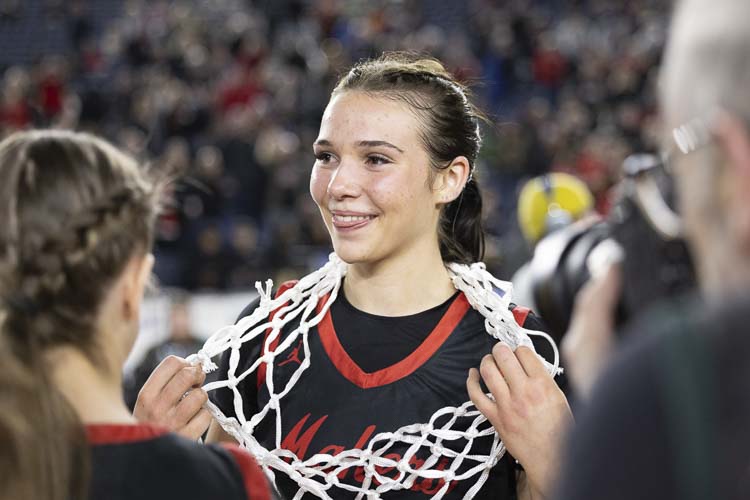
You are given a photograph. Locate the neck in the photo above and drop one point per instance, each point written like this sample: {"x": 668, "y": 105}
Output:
{"x": 95, "y": 393}
{"x": 399, "y": 285}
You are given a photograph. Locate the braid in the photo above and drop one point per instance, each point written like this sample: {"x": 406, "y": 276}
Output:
{"x": 61, "y": 252}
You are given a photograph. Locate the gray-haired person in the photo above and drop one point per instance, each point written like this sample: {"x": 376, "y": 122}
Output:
{"x": 669, "y": 417}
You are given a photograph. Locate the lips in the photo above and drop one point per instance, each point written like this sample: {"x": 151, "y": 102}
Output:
{"x": 350, "y": 221}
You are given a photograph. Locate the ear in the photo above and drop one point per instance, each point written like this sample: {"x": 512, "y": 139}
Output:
{"x": 450, "y": 181}
{"x": 136, "y": 276}
{"x": 733, "y": 137}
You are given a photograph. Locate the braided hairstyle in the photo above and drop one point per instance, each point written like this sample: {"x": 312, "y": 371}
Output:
{"x": 450, "y": 128}
{"x": 73, "y": 211}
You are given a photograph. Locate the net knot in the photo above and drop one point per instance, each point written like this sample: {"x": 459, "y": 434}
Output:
{"x": 203, "y": 359}
{"x": 268, "y": 358}
{"x": 296, "y": 295}
{"x": 274, "y": 403}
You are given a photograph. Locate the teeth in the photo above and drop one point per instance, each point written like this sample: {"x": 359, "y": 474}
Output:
{"x": 351, "y": 218}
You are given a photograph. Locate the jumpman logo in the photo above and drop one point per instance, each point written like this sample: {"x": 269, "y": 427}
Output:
{"x": 293, "y": 356}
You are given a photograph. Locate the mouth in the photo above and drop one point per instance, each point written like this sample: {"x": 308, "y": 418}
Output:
{"x": 350, "y": 221}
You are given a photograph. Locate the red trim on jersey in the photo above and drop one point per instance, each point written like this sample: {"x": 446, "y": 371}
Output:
{"x": 122, "y": 433}
{"x": 262, "y": 368}
{"x": 521, "y": 313}
{"x": 352, "y": 372}
{"x": 256, "y": 485}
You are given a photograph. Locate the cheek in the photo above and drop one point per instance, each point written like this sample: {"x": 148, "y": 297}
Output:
{"x": 698, "y": 210}
{"x": 392, "y": 199}
{"x": 689, "y": 196}
{"x": 403, "y": 192}
{"x": 319, "y": 180}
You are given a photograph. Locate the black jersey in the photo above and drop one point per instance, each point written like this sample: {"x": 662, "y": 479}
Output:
{"x": 336, "y": 405}
{"x": 144, "y": 462}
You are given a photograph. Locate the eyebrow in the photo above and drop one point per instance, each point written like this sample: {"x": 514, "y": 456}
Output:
{"x": 370, "y": 144}
{"x": 373, "y": 144}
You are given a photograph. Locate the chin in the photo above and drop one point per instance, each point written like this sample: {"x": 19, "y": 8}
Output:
{"x": 353, "y": 254}
{"x": 350, "y": 257}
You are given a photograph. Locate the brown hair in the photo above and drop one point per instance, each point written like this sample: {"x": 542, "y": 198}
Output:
{"x": 450, "y": 129}
{"x": 73, "y": 211}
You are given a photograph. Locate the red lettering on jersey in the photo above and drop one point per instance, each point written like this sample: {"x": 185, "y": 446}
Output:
{"x": 369, "y": 430}
{"x": 332, "y": 449}
{"x": 342, "y": 474}
{"x": 362, "y": 441}
{"x": 416, "y": 463}
{"x": 383, "y": 470}
{"x": 298, "y": 444}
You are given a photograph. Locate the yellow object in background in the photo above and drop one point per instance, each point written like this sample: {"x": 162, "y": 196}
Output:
{"x": 550, "y": 202}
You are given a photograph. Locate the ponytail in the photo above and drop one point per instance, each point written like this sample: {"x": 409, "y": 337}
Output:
{"x": 460, "y": 231}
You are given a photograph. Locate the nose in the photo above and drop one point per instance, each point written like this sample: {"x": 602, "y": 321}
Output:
{"x": 344, "y": 182}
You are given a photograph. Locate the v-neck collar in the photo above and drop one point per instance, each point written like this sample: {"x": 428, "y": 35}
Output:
{"x": 354, "y": 373}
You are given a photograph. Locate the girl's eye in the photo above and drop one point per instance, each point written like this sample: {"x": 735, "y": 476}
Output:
{"x": 323, "y": 157}
{"x": 377, "y": 160}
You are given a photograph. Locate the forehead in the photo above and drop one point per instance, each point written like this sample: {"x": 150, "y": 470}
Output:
{"x": 353, "y": 116}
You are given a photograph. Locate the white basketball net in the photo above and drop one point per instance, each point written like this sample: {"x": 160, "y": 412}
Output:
{"x": 320, "y": 473}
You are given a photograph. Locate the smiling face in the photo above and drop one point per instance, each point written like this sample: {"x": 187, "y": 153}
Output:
{"x": 370, "y": 180}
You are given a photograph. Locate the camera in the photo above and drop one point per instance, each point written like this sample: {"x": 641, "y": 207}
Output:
{"x": 655, "y": 259}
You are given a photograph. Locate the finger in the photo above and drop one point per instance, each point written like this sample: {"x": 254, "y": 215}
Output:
{"x": 188, "y": 407}
{"x": 511, "y": 369}
{"x": 530, "y": 362}
{"x": 477, "y": 395}
{"x": 609, "y": 285}
{"x": 161, "y": 375}
{"x": 493, "y": 378}
{"x": 218, "y": 435}
{"x": 182, "y": 382}
{"x": 602, "y": 291}
{"x": 197, "y": 426}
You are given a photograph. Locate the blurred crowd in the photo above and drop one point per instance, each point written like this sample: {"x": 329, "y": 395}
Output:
{"x": 228, "y": 94}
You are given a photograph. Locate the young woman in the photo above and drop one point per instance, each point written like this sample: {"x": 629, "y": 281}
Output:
{"x": 395, "y": 184}
{"x": 76, "y": 223}
{"x": 380, "y": 338}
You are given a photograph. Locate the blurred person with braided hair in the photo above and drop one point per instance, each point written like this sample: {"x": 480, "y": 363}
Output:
{"x": 395, "y": 182}
{"x": 76, "y": 228}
